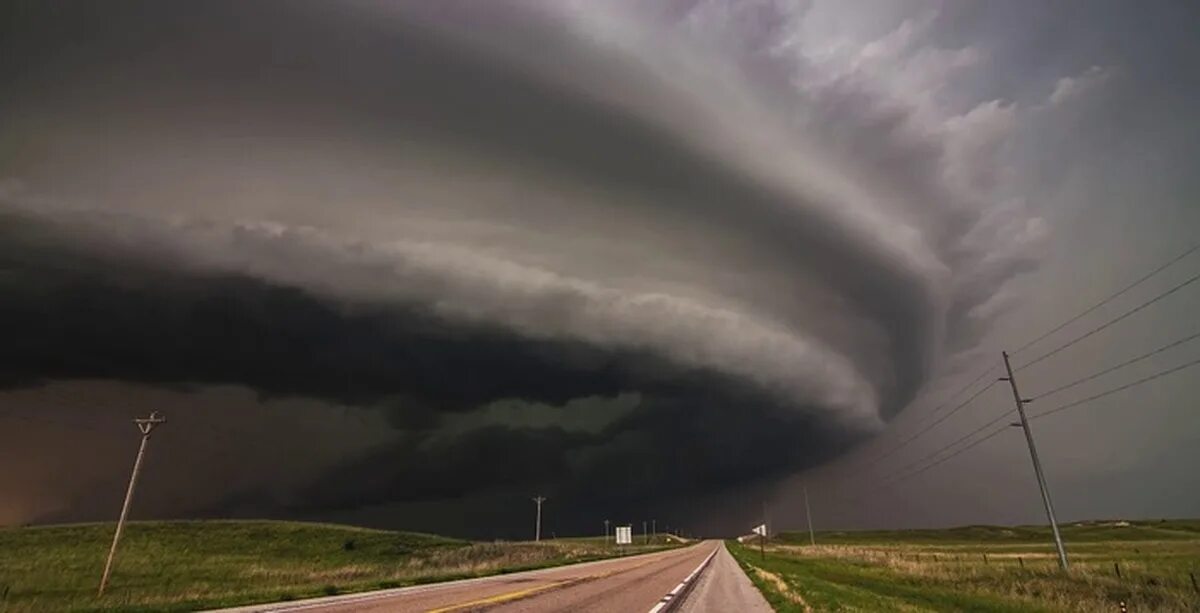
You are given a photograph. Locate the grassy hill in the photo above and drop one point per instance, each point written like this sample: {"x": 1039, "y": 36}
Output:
{"x": 1084, "y": 531}
{"x": 189, "y": 565}
{"x": 1149, "y": 565}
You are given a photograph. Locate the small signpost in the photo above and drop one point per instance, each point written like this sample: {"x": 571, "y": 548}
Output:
{"x": 761, "y": 531}
{"x": 624, "y": 535}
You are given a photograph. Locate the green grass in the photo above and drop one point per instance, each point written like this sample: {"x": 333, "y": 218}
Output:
{"x": 189, "y": 565}
{"x": 982, "y": 568}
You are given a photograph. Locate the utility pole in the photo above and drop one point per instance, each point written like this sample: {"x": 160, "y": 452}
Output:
{"x": 812, "y": 540}
{"x": 1037, "y": 464}
{"x": 654, "y": 528}
{"x": 537, "y": 531}
{"x": 762, "y": 537}
{"x": 606, "y": 531}
{"x": 645, "y": 537}
{"x": 145, "y": 426}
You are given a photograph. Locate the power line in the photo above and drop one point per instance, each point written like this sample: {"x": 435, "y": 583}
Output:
{"x": 1108, "y": 323}
{"x": 939, "y": 407}
{"x": 1070, "y": 343}
{"x": 945, "y": 447}
{"x": 1044, "y": 356}
{"x": 999, "y": 431}
{"x": 1031, "y": 417}
{"x": 936, "y": 422}
{"x": 962, "y": 450}
{"x": 1117, "y": 366}
{"x": 1109, "y": 298}
{"x": 1114, "y": 390}
{"x": 1080, "y": 315}
{"x": 900, "y": 475}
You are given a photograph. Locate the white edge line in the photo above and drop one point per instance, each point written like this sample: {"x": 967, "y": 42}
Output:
{"x": 666, "y": 600}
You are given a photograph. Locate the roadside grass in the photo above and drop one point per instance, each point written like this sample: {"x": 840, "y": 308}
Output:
{"x": 983, "y": 568}
{"x": 1084, "y": 531}
{"x": 190, "y": 565}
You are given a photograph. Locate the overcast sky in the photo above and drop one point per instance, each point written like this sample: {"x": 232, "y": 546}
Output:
{"x": 410, "y": 264}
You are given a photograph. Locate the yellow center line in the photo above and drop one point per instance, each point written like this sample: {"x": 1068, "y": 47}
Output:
{"x": 527, "y": 592}
{"x": 500, "y": 598}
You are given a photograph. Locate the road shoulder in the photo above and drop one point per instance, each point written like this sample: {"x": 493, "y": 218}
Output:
{"x": 724, "y": 587}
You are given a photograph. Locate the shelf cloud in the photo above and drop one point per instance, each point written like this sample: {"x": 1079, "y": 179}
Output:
{"x": 549, "y": 241}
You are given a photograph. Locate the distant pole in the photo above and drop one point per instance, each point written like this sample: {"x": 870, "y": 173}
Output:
{"x": 645, "y": 537}
{"x": 654, "y": 528}
{"x": 145, "y": 426}
{"x": 606, "y": 531}
{"x": 762, "y": 536}
{"x": 537, "y": 530}
{"x": 812, "y": 540}
{"x": 1037, "y": 464}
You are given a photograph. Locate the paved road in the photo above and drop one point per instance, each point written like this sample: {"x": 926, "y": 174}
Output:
{"x": 636, "y": 583}
{"x": 723, "y": 587}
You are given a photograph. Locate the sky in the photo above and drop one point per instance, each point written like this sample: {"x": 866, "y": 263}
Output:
{"x": 410, "y": 264}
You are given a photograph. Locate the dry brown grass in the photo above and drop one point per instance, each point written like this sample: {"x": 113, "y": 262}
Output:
{"x": 782, "y": 587}
{"x": 1154, "y": 575}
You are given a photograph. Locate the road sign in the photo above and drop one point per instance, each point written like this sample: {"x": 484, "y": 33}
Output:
{"x": 761, "y": 529}
{"x": 624, "y": 535}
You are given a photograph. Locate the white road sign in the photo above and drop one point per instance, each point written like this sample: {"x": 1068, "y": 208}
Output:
{"x": 624, "y": 535}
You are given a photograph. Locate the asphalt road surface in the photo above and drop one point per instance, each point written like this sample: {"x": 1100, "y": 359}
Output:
{"x": 636, "y": 583}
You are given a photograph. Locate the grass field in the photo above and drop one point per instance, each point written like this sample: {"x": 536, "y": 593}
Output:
{"x": 982, "y": 568}
{"x": 188, "y": 565}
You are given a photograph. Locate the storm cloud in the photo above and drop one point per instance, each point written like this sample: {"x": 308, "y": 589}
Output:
{"x": 555, "y": 244}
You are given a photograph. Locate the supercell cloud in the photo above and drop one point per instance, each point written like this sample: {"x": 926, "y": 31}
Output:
{"x": 556, "y": 244}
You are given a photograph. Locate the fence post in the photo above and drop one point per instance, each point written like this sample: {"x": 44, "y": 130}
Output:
{"x": 1117, "y": 567}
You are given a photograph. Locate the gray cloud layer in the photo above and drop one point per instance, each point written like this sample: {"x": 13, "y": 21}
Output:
{"x": 765, "y": 235}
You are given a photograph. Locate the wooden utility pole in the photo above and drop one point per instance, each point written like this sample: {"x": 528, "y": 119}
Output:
{"x": 812, "y": 539}
{"x": 762, "y": 536}
{"x": 537, "y": 530}
{"x": 145, "y": 425}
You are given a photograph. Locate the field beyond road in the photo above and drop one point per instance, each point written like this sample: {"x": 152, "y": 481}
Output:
{"x": 982, "y": 568}
{"x": 189, "y": 565}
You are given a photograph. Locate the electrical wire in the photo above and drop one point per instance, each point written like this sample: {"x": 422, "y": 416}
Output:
{"x": 973, "y": 444}
{"x": 945, "y": 447}
{"x": 1068, "y": 344}
{"x": 1157, "y": 375}
{"x": 1109, "y": 298}
{"x": 934, "y": 424}
{"x": 1108, "y": 323}
{"x": 1117, "y": 367}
